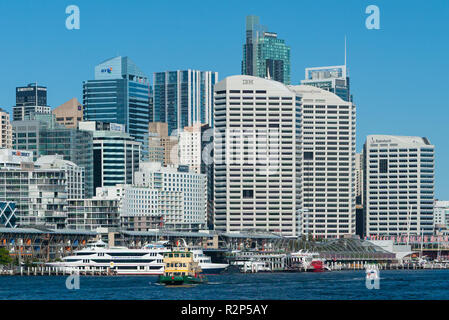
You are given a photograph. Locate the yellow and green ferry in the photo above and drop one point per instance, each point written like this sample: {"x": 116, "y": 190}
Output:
{"x": 181, "y": 269}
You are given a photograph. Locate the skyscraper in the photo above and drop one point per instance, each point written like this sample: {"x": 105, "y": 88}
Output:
{"x": 119, "y": 94}
{"x": 30, "y": 99}
{"x": 116, "y": 155}
{"x": 264, "y": 54}
{"x": 183, "y": 98}
{"x": 399, "y": 178}
{"x": 328, "y": 163}
{"x": 256, "y": 156}
{"x": 334, "y": 79}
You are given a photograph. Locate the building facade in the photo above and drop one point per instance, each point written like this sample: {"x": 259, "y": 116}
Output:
{"x": 119, "y": 94}
{"x": 39, "y": 190}
{"x": 69, "y": 113}
{"x": 7, "y": 214}
{"x": 5, "y": 130}
{"x": 334, "y": 79}
{"x": 29, "y": 100}
{"x": 94, "y": 213}
{"x": 256, "y": 156}
{"x": 328, "y": 163}
{"x": 43, "y": 136}
{"x": 160, "y": 140}
{"x": 171, "y": 196}
{"x": 264, "y": 54}
{"x": 441, "y": 214}
{"x": 398, "y": 184}
{"x": 183, "y": 97}
{"x": 116, "y": 155}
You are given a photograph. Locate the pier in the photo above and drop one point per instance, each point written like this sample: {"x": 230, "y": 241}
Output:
{"x": 49, "y": 271}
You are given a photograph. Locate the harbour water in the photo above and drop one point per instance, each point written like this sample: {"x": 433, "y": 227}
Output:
{"x": 394, "y": 284}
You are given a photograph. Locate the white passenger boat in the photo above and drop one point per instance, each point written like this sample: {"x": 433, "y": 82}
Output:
{"x": 118, "y": 260}
{"x": 98, "y": 257}
{"x": 206, "y": 263}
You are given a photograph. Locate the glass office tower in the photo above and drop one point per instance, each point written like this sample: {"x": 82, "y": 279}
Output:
{"x": 119, "y": 94}
{"x": 264, "y": 54}
{"x": 334, "y": 79}
{"x": 183, "y": 98}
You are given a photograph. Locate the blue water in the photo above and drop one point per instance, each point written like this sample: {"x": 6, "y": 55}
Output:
{"x": 394, "y": 284}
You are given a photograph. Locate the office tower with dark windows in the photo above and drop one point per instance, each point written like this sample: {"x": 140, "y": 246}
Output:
{"x": 334, "y": 79}
{"x": 30, "y": 99}
{"x": 398, "y": 187}
{"x": 257, "y": 167}
{"x": 183, "y": 98}
{"x": 116, "y": 154}
{"x": 264, "y": 54}
{"x": 328, "y": 164}
{"x": 119, "y": 94}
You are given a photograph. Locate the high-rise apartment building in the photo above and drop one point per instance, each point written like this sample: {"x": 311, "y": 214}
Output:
{"x": 257, "y": 173}
{"x": 116, "y": 155}
{"x": 69, "y": 113}
{"x": 399, "y": 178}
{"x": 183, "y": 98}
{"x": 119, "y": 94}
{"x": 334, "y": 79}
{"x": 29, "y": 100}
{"x": 39, "y": 190}
{"x": 5, "y": 130}
{"x": 328, "y": 163}
{"x": 264, "y": 54}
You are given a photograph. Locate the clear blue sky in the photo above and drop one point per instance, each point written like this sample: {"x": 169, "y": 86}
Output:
{"x": 399, "y": 74}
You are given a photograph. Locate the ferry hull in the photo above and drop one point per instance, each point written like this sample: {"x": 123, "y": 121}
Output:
{"x": 181, "y": 280}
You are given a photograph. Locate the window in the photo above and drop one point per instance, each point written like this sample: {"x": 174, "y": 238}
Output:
{"x": 383, "y": 165}
{"x": 248, "y": 194}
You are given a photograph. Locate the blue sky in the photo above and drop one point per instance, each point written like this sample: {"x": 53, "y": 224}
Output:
{"x": 398, "y": 73}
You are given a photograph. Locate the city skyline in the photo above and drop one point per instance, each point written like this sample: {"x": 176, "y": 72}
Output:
{"x": 377, "y": 59}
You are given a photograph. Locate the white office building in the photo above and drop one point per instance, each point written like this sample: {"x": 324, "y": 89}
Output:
{"x": 170, "y": 197}
{"x": 328, "y": 163}
{"x": 189, "y": 147}
{"x": 441, "y": 214}
{"x": 256, "y": 156}
{"x": 398, "y": 185}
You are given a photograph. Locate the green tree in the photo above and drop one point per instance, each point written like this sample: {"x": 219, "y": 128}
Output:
{"x": 5, "y": 258}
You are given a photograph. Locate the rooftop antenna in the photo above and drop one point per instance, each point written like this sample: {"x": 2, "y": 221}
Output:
{"x": 268, "y": 74}
{"x": 347, "y": 71}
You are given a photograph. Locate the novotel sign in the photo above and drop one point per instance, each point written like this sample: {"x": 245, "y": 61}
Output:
{"x": 20, "y": 153}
